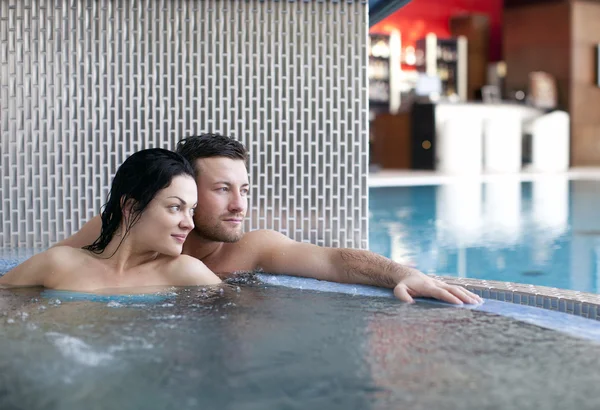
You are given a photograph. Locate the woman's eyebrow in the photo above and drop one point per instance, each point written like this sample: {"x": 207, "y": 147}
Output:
{"x": 174, "y": 196}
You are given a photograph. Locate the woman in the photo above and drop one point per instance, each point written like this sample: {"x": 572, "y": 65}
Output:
{"x": 144, "y": 225}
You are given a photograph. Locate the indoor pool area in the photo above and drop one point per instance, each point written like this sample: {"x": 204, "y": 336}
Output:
{"x": 232, "y": 182}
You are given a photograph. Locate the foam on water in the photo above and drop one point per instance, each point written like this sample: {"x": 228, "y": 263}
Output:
{"x": 78, "y": 351}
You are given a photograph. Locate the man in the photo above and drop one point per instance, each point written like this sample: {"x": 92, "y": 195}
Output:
{"x": 219, "y": 242}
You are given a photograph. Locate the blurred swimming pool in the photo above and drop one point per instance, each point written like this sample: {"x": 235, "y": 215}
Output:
{"x": 544, "y": 232}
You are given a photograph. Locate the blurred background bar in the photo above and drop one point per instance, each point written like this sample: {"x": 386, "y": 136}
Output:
{"x": 527, "y": 70}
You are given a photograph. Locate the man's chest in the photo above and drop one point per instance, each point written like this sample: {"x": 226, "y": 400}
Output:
{"x": 231, "y": 261}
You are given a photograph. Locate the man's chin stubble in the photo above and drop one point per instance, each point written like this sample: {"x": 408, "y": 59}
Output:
{"x": 216, "y": 236}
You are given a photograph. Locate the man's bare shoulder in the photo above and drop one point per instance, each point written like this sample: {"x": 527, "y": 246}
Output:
{"x": 264, "y": 237}
{"x": 248, "y": 253}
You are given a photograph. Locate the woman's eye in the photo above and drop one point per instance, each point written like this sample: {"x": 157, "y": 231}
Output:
{"x": 174, "y": 208}
{"x": 193, "y": 211}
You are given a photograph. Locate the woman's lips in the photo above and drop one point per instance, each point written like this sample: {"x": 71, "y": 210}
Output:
{"x": 179, "y": 238}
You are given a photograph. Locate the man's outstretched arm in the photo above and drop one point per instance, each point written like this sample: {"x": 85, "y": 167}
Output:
{"x": 284, "y": 256}
{"x": 85, "y": 236}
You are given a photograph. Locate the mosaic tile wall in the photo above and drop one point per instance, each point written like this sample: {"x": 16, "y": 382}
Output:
{"x": 84, "y": 83}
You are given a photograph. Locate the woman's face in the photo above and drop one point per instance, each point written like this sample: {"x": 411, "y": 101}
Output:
{"x": 168, "y": 218}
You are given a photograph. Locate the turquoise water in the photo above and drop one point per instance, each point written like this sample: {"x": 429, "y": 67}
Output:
{"x": 271, "y": 347}
{"x": 544, "y": 232}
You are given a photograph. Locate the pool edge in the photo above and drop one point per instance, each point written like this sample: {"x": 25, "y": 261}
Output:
{"x": 572, "y": 302}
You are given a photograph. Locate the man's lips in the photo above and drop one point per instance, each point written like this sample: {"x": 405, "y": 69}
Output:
{"x": 234, "y": 220}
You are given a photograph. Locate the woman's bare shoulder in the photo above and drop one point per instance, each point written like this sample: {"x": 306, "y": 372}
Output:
{"x": 185, "y": 270}
{"x": 58, "y": 251}
{"x": 67, "y": 256}
{"x": 41, "y": 268}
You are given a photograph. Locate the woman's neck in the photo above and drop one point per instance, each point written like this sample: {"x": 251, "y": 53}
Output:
{"x": 121, "y": 254}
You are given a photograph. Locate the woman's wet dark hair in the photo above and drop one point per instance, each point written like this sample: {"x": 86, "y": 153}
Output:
{"x": 137, "y": 181}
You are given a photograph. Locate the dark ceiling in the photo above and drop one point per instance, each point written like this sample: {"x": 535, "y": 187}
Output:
{"x": 380, "y": 9}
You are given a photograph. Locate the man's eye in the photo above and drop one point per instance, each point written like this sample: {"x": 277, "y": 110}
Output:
{"x": 224, "y": 189}
{"x": 245, "y": 191}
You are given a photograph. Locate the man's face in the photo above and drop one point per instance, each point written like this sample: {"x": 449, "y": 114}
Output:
{"x": 222, "y": 199}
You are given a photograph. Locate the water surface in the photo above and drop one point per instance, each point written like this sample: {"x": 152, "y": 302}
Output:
{"x": 260, "y": 347}
{"x": 545, "y": 232}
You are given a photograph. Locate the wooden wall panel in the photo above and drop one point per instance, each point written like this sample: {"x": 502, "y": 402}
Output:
{"x": 537, "y": 38}
{"x": 476, "y": 28}
{"x": 391, "y": 143}
{"x": 585, "y": 95}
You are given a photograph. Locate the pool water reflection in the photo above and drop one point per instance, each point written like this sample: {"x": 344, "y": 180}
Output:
{"x": 543, "y": 232}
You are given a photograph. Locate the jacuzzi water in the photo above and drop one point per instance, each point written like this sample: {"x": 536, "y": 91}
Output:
{"x": 271, "y": 347}
{"x": 544, "y": 232}
{"x": 287, "y": 343}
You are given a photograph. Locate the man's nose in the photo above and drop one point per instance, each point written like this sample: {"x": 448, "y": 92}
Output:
{"x": 238, "y": 204}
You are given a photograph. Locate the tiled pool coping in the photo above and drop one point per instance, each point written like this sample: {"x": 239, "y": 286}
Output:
{"x": 582, "y": 304}
{"x": 561, "y": 300}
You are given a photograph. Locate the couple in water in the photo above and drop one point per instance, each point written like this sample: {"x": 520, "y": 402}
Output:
{"x": 175, "y": 219}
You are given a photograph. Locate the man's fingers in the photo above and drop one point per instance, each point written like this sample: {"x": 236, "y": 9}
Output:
{"x": 459, "y": 291}
{"x": 401, "y": 292}
{"x": 463, "y": 294}
{"x": 456, "y": 295}
{"x": 443, "y": 294}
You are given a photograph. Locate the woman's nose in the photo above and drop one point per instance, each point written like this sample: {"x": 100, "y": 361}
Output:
{"x": 187, "y": 222}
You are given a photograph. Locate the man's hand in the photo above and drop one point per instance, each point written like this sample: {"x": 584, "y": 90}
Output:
{"x": 417, "y": 284}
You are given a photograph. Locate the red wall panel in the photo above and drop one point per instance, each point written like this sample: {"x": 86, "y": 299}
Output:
{"x": 420, "y": 17}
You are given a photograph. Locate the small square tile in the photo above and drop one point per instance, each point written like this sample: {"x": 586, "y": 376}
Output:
{"x": 508, "y": 296}
{"x": 554, "y": 303}
{"x": 585, "y": 308}
{"x": 485, "y": 294}
{"x": 502, "y": 296}
{"x": 577, "y": 309}
{"x": 562, "y": 305}
{"x": 494, "y": 294}
{"x": 592, "y": 313}
{"x": 546, "y": 302}
{"x": 478, "y": 292}
{"x": 539, "y": 300}
{"x": 516, "y": 298}
{"x": 570, "y": 306}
